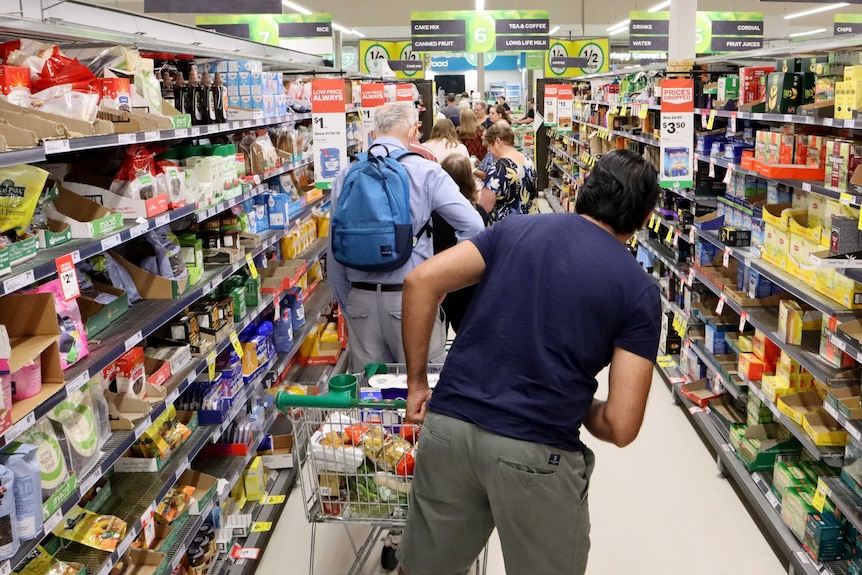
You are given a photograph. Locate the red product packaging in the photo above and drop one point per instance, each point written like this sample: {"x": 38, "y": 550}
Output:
{"x": 116, "y": 93}
{"x": 15, "y": 84}
{"x": 786, "y": 149}
{"x": 751, "y": 89}
{"x": 801, "y": 155}
{"x": 816, "y": 151}
{"x": 131, "y": 375}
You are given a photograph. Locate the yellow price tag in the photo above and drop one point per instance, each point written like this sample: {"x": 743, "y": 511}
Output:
{"x": 860, "y": 221}
{"x": 820, "y": 496}
{"x": 273, "y": 500}
{"x": 252, "y": 269}
{"x": 652, "y": 219}
{"x": 237, "y": 346}
{"x": 634, "y": 241}
{"x": 665, "y": 361}
{"x": 846, "y": 199}
{"x": 261, "y": 526}
{"x": 642, "y": 113}
{"x": 657, "y": 225}
{"x": 211, "y": 364}
{"x": 669, "y": 237}
{"x": 711, "y": 120}
{"x": 623, "y": 111}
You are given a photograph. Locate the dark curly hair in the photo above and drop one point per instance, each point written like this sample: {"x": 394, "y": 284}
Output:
{"x": 621, "y": 191}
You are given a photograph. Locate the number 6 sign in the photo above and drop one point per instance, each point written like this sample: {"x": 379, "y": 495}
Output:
{"x": 68, "y": 277}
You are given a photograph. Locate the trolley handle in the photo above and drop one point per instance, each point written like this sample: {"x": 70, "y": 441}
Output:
{"x": 285, "y": 401}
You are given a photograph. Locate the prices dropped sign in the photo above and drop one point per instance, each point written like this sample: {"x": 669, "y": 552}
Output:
{"x": 677, "y": 134}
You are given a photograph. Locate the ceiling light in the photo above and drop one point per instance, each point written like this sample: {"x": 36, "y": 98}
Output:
{"x": 807, "y": 33}
{"x": 622, "y": 24}
{"x": 297, "y": 7}
{"x": 356, "y": 32}
{"x": 554, "y": 30}
{"x": 341, "y": 28}
{"x": 826, "y": 8}
{"x": 618, "y": 31}
{"x": 480, "y": 5}
{"x": 661, "y": 6}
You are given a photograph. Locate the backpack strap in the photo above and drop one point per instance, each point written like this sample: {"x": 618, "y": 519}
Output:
{"x": 428, "y": 228}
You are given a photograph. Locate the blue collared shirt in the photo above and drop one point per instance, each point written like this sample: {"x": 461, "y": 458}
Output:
{"x": 431, "y": 190}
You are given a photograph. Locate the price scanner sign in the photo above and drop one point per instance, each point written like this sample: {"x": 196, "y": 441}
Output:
{"x": 677, "y": 134}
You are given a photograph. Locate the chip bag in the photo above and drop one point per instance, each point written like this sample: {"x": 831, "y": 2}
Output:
{"x": 101, "y": 532}
{"x": 20, "y": 189}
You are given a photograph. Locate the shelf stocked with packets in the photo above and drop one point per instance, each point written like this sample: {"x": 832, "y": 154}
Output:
{"x": 665, "y": 255}
{"x": 56, "y": 147}
{"x": 832, "y": 455}
{"x": 766, "y": 508}
{"x": 636, "y": 107}
{"x": 780, "y": 118}
{"x": 850, "y": 199}
{"x": 554, "y": 203}
{"x": 669, "y": 366}
{"x": 142, "y": 320}
{"x": 121, "y": 440}
{"x": 719, "y": 378}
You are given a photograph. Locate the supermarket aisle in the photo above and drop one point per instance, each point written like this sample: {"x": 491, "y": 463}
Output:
{"x": 658, "y": 507}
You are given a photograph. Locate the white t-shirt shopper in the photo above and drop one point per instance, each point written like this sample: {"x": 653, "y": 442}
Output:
{"x": 442, "y": 149}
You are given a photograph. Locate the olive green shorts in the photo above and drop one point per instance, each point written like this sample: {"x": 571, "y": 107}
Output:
{"x": 468, "y": 481}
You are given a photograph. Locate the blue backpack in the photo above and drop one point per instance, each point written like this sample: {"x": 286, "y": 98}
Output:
{"x": 372, "y": 229}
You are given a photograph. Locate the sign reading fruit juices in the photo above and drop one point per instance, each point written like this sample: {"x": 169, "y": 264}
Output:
{"x": 677, "y": 134}
{"x": 330, "y": 124}
{"x": 373, "y": 97}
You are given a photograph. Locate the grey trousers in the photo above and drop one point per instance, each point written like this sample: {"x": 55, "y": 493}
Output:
{"x": 374, "y": 324}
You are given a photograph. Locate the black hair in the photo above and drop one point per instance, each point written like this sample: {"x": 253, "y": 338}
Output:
{"x": 621, "y": 191}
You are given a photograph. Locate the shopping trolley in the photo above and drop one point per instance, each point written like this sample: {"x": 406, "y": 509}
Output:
{"x": 354, "y": 458}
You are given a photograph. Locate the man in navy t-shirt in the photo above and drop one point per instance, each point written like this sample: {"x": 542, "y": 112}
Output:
{"x": 559, "y": 297}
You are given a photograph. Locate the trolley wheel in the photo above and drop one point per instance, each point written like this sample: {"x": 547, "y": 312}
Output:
{"x": 388, "y": 561}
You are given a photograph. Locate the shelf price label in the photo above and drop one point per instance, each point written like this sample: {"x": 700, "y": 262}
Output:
{"x": 237, "y": 346}
{"x": 820, "y": 496}
{"x": 846, "y": 199}
{"x": 728, "y": 174}
{"x": 712, "y": 168}
{"x": 252, "y": 269}
{"x": 743, "y": 317}
{"x": 68, "y": 277}
{"x": 725, "y": 259}
{"x": 720, "y": 307}
{"x": 733, "y": 122}
{"x": 211, "y": 365}
{"x": 692, "y": 235}
{"x": 676, "y": 235}
{"x": 669, "y": 237}
{"x": 691, "y": 278}
{"x": 643, "y": 110}
{"x": 273, "y": 500}
{"x": 703, "y": 120}
{"x": 711, "y": 120}
{"x": 261, "y": 526}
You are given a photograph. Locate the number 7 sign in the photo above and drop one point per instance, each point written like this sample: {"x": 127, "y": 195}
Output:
{"x": 68, "y": 277}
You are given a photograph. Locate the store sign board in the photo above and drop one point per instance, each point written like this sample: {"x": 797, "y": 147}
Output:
{"x": 307, "y": 33}
{"x": 374, "y": 52}
{"x": 493, "y": 62}
{"x": 535, "y": 61}
{"x": 728, "y": 31}
{"x": 373, "y": 97}
{"x": 847, "y": 24}
{"x": 563, "y": 59}
{"x": 648, "y": 31}
{"x": 404, "y": 93}
{"x": 724, "y": 44}
{"x": 212, "y": 6}
{"x": 565, "y": 99}
{"x": 479, "y": 32}
{"x": 722, "y": 28}
{"x": 329, "y": 123}
{"x": 677, "y": 133}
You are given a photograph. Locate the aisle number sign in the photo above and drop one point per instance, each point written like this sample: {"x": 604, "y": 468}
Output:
{"x": 570, "y": 59}
{"x": 480, "y": 31}
{"x": 402, "y": 60}
{"x": 373, "y": 97}
{"x": 565, "y": 99}
{"x": 329, "y": 122}
{"x": 551, "y": 91}
{"x": 677, "y": 133}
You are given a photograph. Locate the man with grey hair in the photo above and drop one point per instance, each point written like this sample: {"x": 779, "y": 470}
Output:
{"x": 371, "y": 301}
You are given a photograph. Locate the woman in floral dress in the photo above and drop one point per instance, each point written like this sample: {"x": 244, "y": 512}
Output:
{"x": 510, "y": 183}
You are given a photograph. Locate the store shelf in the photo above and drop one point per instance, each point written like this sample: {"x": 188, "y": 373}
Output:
{"x": 801, "y": 291}
{"x": 726, "y": 381}
{"x": 813, "y": 187}
{"x": 742, "y": 254}
{"x": 24, "y": 156}
{"x": 853, "y": 427}
{"x": 833, "y": 456}
{"x": 554, "y": 203}
{"x": 670, "y": 370}
{"x": 846, "y": 500}
{"x": 648, "y": 140}
{"x": 781, "y": 118}
{"x": 664, "y": 255}
{"x": 627, "y": 104}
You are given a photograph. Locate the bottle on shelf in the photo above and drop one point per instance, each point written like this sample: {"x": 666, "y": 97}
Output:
{"x": 197, "y": 100}
{"x": 168, "y": 89}
{"x": 181, "y": 95}
{"x": 219, "y": 99}
{"x": 208, "y": 102}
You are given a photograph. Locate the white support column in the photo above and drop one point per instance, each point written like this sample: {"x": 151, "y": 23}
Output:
{"x": 337, "y": 46}
{"x": 683, "y": 20}
{"x": 480, "y": 73}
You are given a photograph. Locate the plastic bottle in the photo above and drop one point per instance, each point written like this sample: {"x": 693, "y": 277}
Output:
{"x": 219, "y": 99}
{"x": 181, "y": 94}
{"x": 207, "y": 97}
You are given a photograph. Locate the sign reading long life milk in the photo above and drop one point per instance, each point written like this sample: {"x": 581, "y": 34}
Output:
{"x": 677, "y": 134}
{"x": 330, "y": 124}
{"x": 373, "y": 97}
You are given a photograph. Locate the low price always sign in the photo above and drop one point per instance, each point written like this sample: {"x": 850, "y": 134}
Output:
{"x": 330, "y": 124}
{"x": 677, "y": 134}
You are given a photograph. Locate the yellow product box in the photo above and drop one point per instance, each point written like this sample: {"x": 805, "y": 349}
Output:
{"x": 798, "y": 262}
{"x": 773, "y": 387}
{"x": 790, "y": 322}
{"x": 775, "y": 245}
{"x": 780, "y": 215}
{"x": 789, "y": 364}
{"x": 255, "y": 480}
{"x": 745, "y": 344}
{"x": 853, "y": 73}
{"x": 809, "y": 228}
{"x": 822, "y": 389}
{"x": 816, "y": 216}
{"x": 824, "y": 430}
{"x": 797, "y": 406}
{"x": 838, "y": 287}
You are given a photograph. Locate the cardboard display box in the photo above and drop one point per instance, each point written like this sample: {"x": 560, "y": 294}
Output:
{"x": 152, "y": 286}
{"x": 130, "y": 464}
{"x": 205, "y": 486}
{"x": 86, "y": 218}
{"x": 698, "y": 392}
{"x": 824, "y": 430}
{"x": 143, "y": 562}
{"x": 47, "y": 125}
{"x": 798, "y": 405}
{"x": 130, "y": 208}
{"x": 758, "y": 446}
{"x": 281, "y": 454}
{"x": 98, "y": 316}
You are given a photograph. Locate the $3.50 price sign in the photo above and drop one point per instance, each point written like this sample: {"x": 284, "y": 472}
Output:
{"x": 677, "y": 134}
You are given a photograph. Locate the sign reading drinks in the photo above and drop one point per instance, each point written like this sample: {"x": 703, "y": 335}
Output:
{"x": 847, "y": 24}
{"x": 310, "y": 34}
{"x": 677, "y": 133}
{"x": 399, "y": 56}
{"x": 570, "y": 59}
{"x": 480, "y": 32}
{"x": 728, "y": 32}
{"x": 648, "y": 31}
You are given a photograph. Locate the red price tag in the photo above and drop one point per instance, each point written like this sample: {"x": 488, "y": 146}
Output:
{"x": 676, "y": 238}
{"x": 68, "y": 277}
{"x": 725, "y": 261}
{"x": 743, "y": 317}
{"x": 720, "y": 307}
{"x": 712, "y": 168}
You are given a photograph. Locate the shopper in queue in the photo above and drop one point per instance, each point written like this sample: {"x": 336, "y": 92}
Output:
{"x": 451, "y": 110}
{"x": 501, "y": 444}
{"x": 444, "y": 141}
{"x": 372, "y": 300}
{"x": 510, "y": 182}
{"x": 481, "y": 111}
{"x": 470, "y": 133}
{"x": 501, "y": 101}
{"x": 496, "y": 116}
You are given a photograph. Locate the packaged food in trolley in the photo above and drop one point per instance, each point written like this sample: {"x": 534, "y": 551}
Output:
{"x": 330, "y": 450}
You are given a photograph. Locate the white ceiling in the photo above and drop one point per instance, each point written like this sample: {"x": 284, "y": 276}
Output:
{"x": 386, "y": 19}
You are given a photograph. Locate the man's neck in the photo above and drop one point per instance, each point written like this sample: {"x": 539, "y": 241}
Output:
{"x": 623, "y": 238}
{"x": 403, "y": 140}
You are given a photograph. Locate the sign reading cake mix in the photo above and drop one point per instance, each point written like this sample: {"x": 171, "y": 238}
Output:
{"x": 330, "y": 124}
